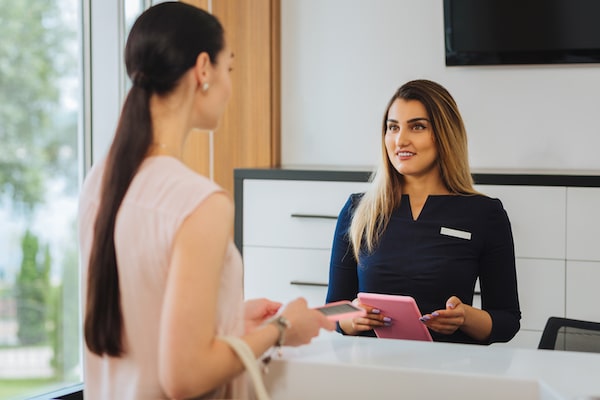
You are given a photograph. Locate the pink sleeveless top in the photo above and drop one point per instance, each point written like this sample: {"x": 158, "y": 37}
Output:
{"x": 162, "y": 194}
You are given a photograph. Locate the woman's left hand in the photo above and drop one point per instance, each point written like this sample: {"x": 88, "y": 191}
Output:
{"x": 449, "y": 320}
{"x": 256, "y": 311}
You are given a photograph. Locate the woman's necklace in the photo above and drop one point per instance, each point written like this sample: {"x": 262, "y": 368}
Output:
{"x": 166, "y": 149}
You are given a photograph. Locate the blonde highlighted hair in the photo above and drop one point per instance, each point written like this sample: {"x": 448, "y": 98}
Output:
{"x": 376, "y": 206}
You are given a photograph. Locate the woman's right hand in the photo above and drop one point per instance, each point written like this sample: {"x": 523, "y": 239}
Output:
{"x": 373, "y": 319}
{"x": 305, "y": 323}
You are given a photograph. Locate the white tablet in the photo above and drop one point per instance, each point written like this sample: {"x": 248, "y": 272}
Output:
{"x": 405, "y": 316}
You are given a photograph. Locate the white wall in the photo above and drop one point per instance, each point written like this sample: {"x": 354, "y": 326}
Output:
{"x": 343, "y": 59}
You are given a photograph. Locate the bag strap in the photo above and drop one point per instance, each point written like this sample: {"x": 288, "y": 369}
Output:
{"x": 246, "y": 355}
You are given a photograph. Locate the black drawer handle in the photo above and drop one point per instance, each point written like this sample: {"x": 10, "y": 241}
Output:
{"x": 314, "y": 216}
{"x": 304, "y": 283}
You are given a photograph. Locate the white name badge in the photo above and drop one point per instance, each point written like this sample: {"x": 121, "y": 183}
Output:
{"x": 455, "y": 233}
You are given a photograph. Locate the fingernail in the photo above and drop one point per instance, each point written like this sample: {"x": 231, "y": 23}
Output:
{"x": 387, "y": 319}
{"x": 425, "y": 318}
{"x": 435, "y": 314}
{"x": 450, "y": 305}
{"x": 387, "y": 324}
{"x": 375, "y": 311}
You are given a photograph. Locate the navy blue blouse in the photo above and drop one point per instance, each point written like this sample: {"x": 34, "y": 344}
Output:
{"x": 455, "y": 240}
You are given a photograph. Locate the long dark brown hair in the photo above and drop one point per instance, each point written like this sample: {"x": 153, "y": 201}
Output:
{"x": 163, "y": 44}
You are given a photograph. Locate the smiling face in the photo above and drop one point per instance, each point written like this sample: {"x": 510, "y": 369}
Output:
{"x": 410, "y": 141}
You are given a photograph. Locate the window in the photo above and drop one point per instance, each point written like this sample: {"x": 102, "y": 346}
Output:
{"x": 59, "y": 65}
{"x": 40, "y": 170}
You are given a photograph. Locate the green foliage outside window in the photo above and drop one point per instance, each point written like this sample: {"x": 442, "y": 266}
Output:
{"x": 32, "y": 289}
{"x": 39, "y": 64}
{"x": 35, "y": 132}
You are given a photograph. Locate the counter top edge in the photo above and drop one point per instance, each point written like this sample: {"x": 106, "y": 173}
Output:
{"x": 363, "y": 175}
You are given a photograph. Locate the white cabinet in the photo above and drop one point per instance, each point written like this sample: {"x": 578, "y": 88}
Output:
{"x": 537, "y": 215}
{"x": 293, "y": 214}
{"x": 583, "y": 253}
{"x": 288, "y": 225}
{"x": 524, "y": 339}
{"x": 288, "y": 228}
{"x": 583, "y": 296}
{"x": 541, "y": 284}
{"x": 583, "y": 225}
{"x": 283, "y": 274}
{"x": 538, "y": 218}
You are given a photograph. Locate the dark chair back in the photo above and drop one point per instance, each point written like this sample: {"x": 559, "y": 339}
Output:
{"x": 570, "y": 335}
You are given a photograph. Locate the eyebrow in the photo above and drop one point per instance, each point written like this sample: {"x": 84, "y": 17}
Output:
{"x": 410, "y": 120}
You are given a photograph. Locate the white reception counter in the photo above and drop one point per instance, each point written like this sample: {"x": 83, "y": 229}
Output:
{"x": 335, "y": 366}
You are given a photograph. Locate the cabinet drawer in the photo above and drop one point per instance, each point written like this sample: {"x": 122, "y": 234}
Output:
{"x": 582, "y": 290}
{"x": 300, "y": 214}
{"x": 537, "y": 302}
{"x": 537, "y": 215}
{"x": 541, "y": 286}
{"x": 583, "y": 226}
{"x": 282, "y": 274}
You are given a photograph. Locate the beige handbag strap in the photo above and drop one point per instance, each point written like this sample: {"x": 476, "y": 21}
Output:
{"x": 247, "y": 357}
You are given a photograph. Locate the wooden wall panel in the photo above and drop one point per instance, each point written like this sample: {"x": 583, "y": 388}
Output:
{"x": 249, "y": 133}
{"x": 203, "y": 4}
{"x": 244, "y": 138}
{"x": 275, "y": 48}
{"x": 196, "y": 153}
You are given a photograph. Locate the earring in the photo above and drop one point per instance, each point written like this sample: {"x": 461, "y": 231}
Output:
{"x": 205, "y": 86}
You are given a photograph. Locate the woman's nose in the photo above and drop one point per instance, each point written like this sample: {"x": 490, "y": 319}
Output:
{"x": 400, "y": 137}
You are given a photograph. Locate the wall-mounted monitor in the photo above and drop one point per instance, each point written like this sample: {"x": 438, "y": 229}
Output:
{"x": 495, "y": 32}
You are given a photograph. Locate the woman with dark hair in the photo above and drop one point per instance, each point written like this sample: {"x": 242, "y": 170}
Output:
{"x": 422, "y": 230}
{"x": 162, "y": 279}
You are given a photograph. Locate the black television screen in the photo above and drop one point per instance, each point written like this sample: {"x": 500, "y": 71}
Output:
{"x": 493, "y": 32}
